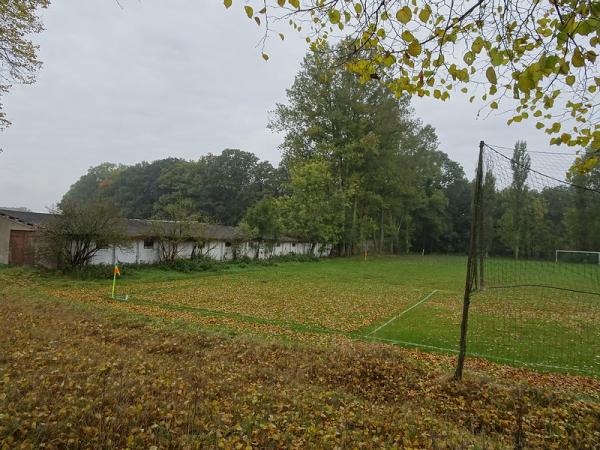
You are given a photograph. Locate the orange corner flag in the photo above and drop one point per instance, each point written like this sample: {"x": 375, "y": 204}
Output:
{"x": 116, "y": 270}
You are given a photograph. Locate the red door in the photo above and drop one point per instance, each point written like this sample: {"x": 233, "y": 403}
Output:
{"x": 21, "y": 248}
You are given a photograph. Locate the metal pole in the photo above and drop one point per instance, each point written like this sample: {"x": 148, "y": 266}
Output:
{"x": 471, "y": 265}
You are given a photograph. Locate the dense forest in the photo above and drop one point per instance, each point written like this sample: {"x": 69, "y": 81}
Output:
{"x": 357, "y": 169}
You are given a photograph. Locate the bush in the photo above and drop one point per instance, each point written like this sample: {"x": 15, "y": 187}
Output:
{"x": 103, "y": 271}
{"x": 291, "y": 257}
{"x": 197, "y": 264}
{"x": 89, "y": 271}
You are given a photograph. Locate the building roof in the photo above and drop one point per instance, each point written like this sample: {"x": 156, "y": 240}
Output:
{"x": 27, "y": 217}
{"x": 153, "y": 228}
{"x": 147, "y": 228}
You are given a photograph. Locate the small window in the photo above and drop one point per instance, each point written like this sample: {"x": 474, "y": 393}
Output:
{"x": 293, "y": 244}
{"x": 148, "y": 243}
{"x": 227, "y": 244}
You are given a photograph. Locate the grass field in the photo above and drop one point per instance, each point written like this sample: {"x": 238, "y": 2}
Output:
{"x": 295, "y": 355}
{"x": 410, "y": 301}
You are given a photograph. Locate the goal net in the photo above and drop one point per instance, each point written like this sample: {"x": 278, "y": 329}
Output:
{"x": 575, "y": 256}
{"x": 533, "y": 283}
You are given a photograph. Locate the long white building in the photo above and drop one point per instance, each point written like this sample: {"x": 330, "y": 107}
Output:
{"x": 143, "y": 246}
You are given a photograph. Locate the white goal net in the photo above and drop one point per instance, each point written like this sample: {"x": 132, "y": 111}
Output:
{"x": 577, "y": 256}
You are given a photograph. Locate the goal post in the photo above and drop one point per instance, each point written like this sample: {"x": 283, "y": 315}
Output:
{"x": 577, "y": 256}
{"x": 529, "y": 299}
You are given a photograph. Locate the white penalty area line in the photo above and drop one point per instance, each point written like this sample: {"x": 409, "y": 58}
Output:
{"x": 423, "y": 300}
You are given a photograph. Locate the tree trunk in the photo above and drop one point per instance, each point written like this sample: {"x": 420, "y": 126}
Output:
{"x": 353, "y": 229}
{"x": 381, "y": 232}
{"x": 257, "y": 252}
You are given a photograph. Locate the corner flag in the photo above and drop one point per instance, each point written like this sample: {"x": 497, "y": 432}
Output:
{"x": 116, "y": 272}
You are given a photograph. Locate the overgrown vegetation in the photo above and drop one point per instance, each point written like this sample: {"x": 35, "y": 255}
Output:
{"x": 77, "y": 231}
{"x": 191, "y": 265}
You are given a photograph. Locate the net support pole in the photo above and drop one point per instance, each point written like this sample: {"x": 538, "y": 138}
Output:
{"x": 481, "y": 247}
{"x": 471, "y": 264}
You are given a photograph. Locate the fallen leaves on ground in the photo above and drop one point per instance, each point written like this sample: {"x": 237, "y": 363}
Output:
{"x": 72, "y": 378}
{"x": 318, "y": 305}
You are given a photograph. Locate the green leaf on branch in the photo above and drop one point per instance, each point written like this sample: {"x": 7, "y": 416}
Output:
{"x": 404, "y": 15}
{"x": 490, "y": 74}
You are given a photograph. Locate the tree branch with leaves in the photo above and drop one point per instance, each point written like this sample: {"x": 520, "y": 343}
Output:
{"x": 19, "y": 61}
{"x": 532, "y": 60}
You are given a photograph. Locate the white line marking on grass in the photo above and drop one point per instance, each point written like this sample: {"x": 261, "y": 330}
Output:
{"x": 413, "y": 344}
{"x": 427, "y": 297}
{"x": 496, "y": 359}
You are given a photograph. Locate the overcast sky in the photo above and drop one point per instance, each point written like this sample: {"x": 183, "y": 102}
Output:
{"x": 181, "y": 78}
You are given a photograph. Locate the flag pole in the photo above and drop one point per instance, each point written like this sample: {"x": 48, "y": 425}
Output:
{"x": 114, "y": 281}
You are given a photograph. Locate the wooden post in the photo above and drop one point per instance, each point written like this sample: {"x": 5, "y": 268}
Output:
{"x": 471, "y": 265}
{"x": 480, "y": 236}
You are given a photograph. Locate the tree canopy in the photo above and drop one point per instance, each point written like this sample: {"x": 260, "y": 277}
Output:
{"x": 379, "y": 163}
{"x": 220, "y": 188}
{"x": 535, "y": 60}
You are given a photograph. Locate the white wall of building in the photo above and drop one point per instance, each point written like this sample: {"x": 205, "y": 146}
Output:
{"x": 145, "y": 252}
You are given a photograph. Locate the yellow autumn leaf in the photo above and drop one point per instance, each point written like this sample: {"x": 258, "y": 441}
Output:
{"x": 414, "y": 48}
{"x": 404, "y": 15}
{"x": 425, "y": 14}
{"x": 490, "y": 74}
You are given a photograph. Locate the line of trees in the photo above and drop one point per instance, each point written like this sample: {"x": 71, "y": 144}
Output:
{"x": 358, "y": 171}
{"x": 531, "y": 218}
{"x": 357, "y": 167}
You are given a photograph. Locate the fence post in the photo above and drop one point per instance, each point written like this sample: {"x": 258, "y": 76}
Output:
{"x": 471, "y": 263}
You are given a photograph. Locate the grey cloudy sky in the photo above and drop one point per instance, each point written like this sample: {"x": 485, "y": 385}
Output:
{"x": 181, "y": 78}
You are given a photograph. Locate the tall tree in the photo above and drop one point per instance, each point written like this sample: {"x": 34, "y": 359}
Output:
{"x": 314, "y": 210}
{"x": 582, "y": 218}
{"x": 378, "y": 154}
{"x": 175, "y": 223}
{"x": 262, "y": 222}
{"x": 520, "y": 165}
{"x": 229, "y": 183}
{"x": 490, "y": 204}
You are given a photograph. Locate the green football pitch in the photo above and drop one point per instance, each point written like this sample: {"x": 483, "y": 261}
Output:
{"x": 411, "y": 301}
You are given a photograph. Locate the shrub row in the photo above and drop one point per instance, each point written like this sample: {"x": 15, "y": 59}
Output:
{"x": 198, "y": 264}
